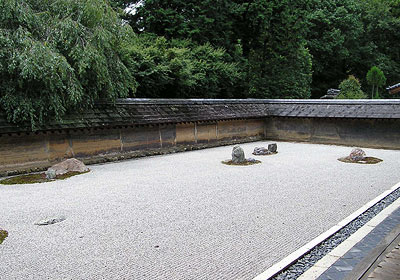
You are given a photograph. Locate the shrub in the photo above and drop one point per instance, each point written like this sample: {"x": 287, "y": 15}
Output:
{"x": 351, "y": 89}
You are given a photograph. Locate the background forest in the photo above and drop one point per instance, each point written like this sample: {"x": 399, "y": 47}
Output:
{"x": 62, "y": 55}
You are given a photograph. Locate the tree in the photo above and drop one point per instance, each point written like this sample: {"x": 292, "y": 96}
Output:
{"x": 381, "y": 19}
{"x": 351, "y": 89}
{"x": 341, "y": 37}
{"x": 179, "y": 68}
{"x": 264, "y": 38}
{"x": 279, "y": 62}
{"x": 57, "y": 56}
{"x": 202, "y": 22}
{"x": 376, "y": 79}
{"x": 335, "y": 29}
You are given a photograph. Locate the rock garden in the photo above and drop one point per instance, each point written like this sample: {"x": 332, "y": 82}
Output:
{"x": 359, "y": 156}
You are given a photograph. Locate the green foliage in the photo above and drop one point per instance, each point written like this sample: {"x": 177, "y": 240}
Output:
{"x": 202, "y": 22}
{"x": 351, "y": 89}
{"x": 376, "y": 79}
{"x": 382, "y": 24}
{"x": 60, "y": 55}
{"x": 264, "y": 39}
{"x": 179, "y": 68}
{"x": 333, "y": 38}
{"x": 279, "y": 62}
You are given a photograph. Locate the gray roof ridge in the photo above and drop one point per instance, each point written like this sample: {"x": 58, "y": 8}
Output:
{"x": 127, "y": 101}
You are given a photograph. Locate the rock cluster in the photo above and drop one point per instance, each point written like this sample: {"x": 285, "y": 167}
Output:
{"x": 260, "y": 151}
{"x": 238, "y": 158}
{"x": 359, "y": 156}
{"x": 69, "y": 165}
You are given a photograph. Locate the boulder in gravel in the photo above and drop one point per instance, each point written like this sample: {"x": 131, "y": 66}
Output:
{"x": 50, "y": 174}
{"x": 357, "y": 154}
{"x": 238, "y": 155}
{"x": 260, "y": 151}
{"x": 50, "y": 221}
{"x": 3, "y": 235}
{"x": 273, "y": 148}
{"x": 252, "y": 160}
{"x": 69, "y": 165}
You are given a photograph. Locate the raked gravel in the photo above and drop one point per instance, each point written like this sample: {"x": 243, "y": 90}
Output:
{"x": 185, "y": 215}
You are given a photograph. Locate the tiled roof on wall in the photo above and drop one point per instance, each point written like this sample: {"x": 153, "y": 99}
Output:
{"x": 393, "y": 86}
{"x": 156, "y": 111}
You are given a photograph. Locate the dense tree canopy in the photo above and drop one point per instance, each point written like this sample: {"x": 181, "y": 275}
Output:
{"x": 342, "y": 36}
{"x": 55, "y": 55}
{"x": 265, "y": 38}
{"x": 61, "y": 55}
{"x": 333, "y": 38}
{"x": 179, "y": 69}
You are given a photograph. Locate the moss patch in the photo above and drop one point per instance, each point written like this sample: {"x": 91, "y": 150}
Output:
{"x": 229, "y": 162}
{"x": 36, "y": 178}
{"x": 272, "y": 153}
{"x": 3, "y": 235}
{"x": 366, "y": 160}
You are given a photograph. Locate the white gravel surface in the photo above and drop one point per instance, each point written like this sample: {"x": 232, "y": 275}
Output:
{"x": 186, "y": 215}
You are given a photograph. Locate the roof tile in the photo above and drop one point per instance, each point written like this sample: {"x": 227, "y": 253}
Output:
{"x": 153, "y": 111}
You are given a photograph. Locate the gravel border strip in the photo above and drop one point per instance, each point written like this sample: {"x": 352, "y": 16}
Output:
{"x": 318, "y": 252}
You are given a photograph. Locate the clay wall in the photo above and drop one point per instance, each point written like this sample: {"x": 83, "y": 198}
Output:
{"x": 26, "y": 152}
{"x": 369, "y": 133}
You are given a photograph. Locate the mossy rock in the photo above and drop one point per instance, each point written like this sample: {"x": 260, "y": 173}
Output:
{"x": 230, "y": 162}
{"x": 36, "y": 178}
{"x": 366, "y": 160}
{"x": 3, "y": 235}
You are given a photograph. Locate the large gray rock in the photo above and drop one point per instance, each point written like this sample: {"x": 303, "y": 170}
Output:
{"x": 50, "y": 221}
{"x": 260, "y": 151}
{"x": 69, "y": 165}
{"x": 238, "y": 155}
{"x": 273, "y": 147}
{"x": 357, "y": 154}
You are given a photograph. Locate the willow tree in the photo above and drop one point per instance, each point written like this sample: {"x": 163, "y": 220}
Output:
{"x": 59, "y": 55}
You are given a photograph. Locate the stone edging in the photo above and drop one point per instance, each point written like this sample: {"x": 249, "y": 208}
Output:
{"x": 298, "y": 254}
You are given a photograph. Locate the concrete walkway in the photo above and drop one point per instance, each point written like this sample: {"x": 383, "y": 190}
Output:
{"x": 186, "y": 215}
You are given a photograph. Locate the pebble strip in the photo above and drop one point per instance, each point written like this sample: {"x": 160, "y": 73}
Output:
{"x": 317, "y": 253}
